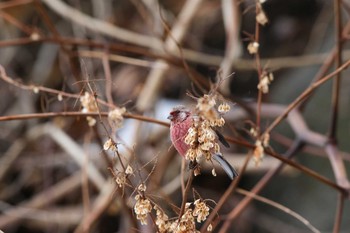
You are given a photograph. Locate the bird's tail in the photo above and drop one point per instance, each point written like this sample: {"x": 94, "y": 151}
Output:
{"x": 230, "y": 171}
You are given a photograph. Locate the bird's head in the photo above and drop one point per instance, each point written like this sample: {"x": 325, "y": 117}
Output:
{"x": 179, "y": 114}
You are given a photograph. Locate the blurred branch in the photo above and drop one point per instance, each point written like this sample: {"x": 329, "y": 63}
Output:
{"x": 101, "y": 203}
{"x": 72, "y": 148}
{"x": 119, "y": 58}
{"x": 101, "y": 26}
{"x": 225, "y": 197}
{"x": 24, "y": 28}
{"x": 336, "y": 80}
{"x": 14, "y": 3}
{"x": 231, "y": 18}
{"x": 54, "y": 193}
{"x": 11, "y": 155}
{"x": 189, "y": 55}
{"x": 260, "y": 185}
{"x": 278, "y": 206}
{"x": 156, "y": 76}
{"x": 305, "y": 94}
{"x": 67, "y": 216}
{"x": 338, "y": 165}
{"x": 339, "y": 213}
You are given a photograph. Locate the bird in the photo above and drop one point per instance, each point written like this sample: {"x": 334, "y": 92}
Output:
{"x": 181, "y": 119}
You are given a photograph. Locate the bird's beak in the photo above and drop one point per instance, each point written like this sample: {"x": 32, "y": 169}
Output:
{"x": 170, "y": 117}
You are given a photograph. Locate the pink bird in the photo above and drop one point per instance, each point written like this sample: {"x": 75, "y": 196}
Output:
{"x": 181, "y": 121}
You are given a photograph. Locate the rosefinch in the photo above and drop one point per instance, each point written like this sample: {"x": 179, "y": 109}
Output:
{"x": 181, "y": 120}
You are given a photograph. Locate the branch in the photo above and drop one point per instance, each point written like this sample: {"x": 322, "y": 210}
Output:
{"x": 100, "y": 26}
{"x": 304, "y": 95}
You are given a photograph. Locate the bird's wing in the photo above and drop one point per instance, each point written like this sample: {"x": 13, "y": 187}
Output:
{"x": 230, "y": 171}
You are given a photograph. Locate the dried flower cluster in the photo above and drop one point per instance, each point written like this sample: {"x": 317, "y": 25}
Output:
{"x": 261, "y": 17}
{"x": 265, "y": 81}
{"x": 201, "y": 136}
{"x": 187, "y": 222}
{"x": 198, "y": 210}
{"x": 258, "y": 153}
{"x": 36, "y": 90}
{"x": 162, "y": 220}
{"x": 261, "y": 143}
{"x": 116, "y": 118}
{"x": 121, "y": 176}
{"x": 59, "y": 97}
{"x": 253, "y": 47}
{"x": 201, "y": 210}
{"x": 129, "y": 170}
{"x": 89, "y": 105}
{"x": 142, "y": 208}
{"x": 110, "y": 145}
{"x": 120, "y": 179}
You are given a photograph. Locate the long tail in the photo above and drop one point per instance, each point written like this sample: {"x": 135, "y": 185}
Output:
{"x": 230, "y": 171}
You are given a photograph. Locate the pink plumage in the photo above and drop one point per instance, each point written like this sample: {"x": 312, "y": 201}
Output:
{"x": 181, "y": 121}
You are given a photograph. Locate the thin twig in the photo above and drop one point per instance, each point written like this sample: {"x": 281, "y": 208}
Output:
{"x": 339, "y": 213}
{"x": 100, "y": 205}
{"x": 185, "y": 193}
{"x": 14, "y": 21}
{"x": 230, "y": 14}
{"x": 280, "y": 207}
{"x": 102, "y": 27}
{"x": 224, "y": 197}
{"x": 258, "y": 187}
{"x": 156, "y": 76}
{"x": 108, "y": 75}
{"x": 41, "y": 199}
{"x": 189, "y": 55}
{"x": 258, "y": 69}
{"x": 291, "y": 163}
{"x": 336, "y": 81}
{"x": 338, "y": 165}
{"x": 304, "y": 95}
{"x": 10, "y": 4}
{"x": 79, "y": 114}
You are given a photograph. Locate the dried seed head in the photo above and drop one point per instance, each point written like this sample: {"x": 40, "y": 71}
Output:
{"x": 162, "y": 220}
{"x": 91, "y": 121}
{"x": 201, "y": 137}
{"x": 129, "y": 170}
{"x": 142, "y": 187}
{"x": 187, "y": 221}
{"x": 110, "y": 145}
{"x": 34, "y": 36}
{"x": 88, "y": 102}
{"x": 213, "y": 172}
{"x": 205, "y": 103}
{"x": 116, "y": 118}
{"x": 224, "y": 108}
{"x": 253, "y": 47}
{"x": 36, "y": 90}
{"x": 120, "y": 180}
{"x": 261, "y": 17}
{"x": 142, "y": 208}
{"x": 253, "y": 132}
{"x": 197, "y": 171}
{"x": 258, "y": 152}
{"x": 265, "y": 81}
{"x": 201, "y": 210}
{"x": 59, "y": 97}
{"x": 266, "y": 140}
{"x": 89, "y": 105}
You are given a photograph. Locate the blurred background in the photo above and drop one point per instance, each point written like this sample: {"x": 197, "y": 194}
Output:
{"x": 146, "y": 56}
